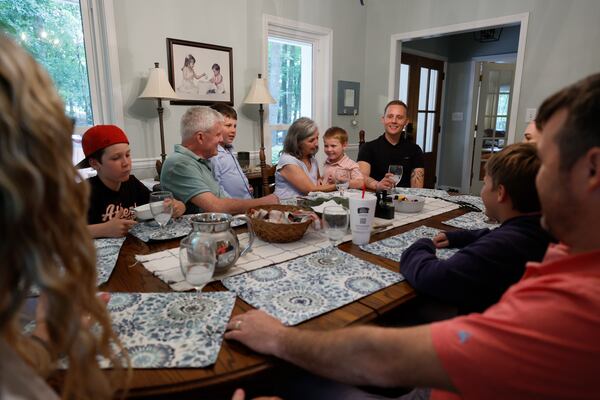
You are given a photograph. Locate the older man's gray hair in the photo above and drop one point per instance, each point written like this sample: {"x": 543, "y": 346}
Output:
{"x": 198, "y": 119}
{"x": 300, "y": 129}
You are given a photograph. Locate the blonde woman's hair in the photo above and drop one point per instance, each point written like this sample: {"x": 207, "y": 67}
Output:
{"x": 44, "y": 234}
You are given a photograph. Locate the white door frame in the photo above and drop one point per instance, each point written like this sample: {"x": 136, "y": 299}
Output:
{"x": 394, "y": 69}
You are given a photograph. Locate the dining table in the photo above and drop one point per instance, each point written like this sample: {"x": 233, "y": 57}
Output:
{"x": 237, "y": 366}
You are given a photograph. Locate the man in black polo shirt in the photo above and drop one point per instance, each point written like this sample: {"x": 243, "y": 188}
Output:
{"x": 391, "y": 148}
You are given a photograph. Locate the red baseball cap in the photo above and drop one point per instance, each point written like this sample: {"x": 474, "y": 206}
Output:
{"x": 99, "y": 137}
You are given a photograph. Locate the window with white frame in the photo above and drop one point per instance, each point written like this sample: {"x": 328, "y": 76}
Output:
{"x": 298, "y": 64}
{"x": 62, "y": 35}
{"x": 290, "y": 83}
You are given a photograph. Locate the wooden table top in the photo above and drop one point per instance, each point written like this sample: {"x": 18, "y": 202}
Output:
{"x": 235, "y": 361}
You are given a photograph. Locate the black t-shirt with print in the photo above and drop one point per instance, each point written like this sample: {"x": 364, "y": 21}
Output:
{"x": 380, "y": 154}
{"x": 106, "y": 204}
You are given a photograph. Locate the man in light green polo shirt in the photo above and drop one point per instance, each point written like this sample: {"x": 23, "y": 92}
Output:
{"x": 187, "y": 172}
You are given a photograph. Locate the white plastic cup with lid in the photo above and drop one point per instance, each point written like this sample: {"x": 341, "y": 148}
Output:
{"x": 362, "y": 212}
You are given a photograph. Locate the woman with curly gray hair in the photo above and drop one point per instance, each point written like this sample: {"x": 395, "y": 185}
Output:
{"x": 297, "y": 172}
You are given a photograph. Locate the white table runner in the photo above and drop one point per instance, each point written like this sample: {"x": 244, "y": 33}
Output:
{"x": 165, "y": 264}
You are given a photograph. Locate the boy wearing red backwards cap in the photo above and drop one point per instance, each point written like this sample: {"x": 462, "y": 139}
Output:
{"x": 114, "y": 192}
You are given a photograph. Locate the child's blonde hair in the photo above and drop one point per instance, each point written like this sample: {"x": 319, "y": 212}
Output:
{"x": 335, "y": 132}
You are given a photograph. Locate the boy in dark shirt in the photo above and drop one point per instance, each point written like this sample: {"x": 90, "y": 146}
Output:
{"x": 114, "y": 191}
{"x": 489, "y": 261}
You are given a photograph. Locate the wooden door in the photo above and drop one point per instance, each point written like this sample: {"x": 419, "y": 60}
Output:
{"x": 424, "y": 99}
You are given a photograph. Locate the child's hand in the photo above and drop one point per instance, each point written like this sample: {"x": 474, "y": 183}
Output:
{"x": 440, "y": 240}
{"x": 117, "y": 227}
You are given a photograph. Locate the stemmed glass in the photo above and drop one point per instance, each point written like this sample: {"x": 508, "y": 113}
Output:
{"x": 396, "y": 170}
{"x": 197, "y": 259}
{"x": 342, "y": 180}
{"x": 335, "y": 225}
{"x": 161, "y": 207}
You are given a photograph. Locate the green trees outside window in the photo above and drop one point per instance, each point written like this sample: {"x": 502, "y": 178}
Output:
{"x": 52, "y": 31}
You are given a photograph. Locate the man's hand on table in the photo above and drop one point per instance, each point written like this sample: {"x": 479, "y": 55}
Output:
{"x": 257, "y": 330}
{"x": 440, "y": 240}
{"x": 272, "y": 199}
{"x": 178, "y": 208}
{"x": 386, "y": 183}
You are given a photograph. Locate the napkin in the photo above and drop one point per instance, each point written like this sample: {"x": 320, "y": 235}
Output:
{"x": 321, "y": 207}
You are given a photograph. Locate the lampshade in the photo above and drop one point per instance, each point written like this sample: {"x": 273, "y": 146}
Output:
{"x": 259, "y": 93}
{"x": 158, "y": 86}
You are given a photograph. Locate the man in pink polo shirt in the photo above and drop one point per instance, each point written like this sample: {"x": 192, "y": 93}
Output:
{"x": 542, "y": 338}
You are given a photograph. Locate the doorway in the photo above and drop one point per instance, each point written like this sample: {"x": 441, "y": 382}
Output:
{"x": 421, "y": 90}
{"x": 454, "y": 159}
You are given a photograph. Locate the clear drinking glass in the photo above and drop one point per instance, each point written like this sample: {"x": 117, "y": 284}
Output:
{"x": 397, "y": 171}
{"x": 335, "y": 226}
{"x": 342, "y": 180}
{"x": 197, "y": 259}
{"x": 161, "y": 207}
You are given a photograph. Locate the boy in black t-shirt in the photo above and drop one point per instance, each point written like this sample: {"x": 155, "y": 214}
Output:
{"x": 114, "y": 191}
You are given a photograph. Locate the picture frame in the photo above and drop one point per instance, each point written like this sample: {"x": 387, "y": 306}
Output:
{"x": 200, "y": 73}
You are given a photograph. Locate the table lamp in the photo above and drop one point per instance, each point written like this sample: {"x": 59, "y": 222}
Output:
{"x": 259, "y": 94}
{"x": 159, "y": 88}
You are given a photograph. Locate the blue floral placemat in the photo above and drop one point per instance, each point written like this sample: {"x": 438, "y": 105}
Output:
{"x": 107, "y": 252}
{"x": 171, "y": 330}
{"x": 472, "y": 220}
{"x": 303, "y": 288}
{"x": 475, "y": 201}
{"x": 149, "y": 230}
{"x": 393, "y": 247}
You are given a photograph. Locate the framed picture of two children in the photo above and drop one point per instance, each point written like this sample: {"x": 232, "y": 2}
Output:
{"x": 200, "y": 73}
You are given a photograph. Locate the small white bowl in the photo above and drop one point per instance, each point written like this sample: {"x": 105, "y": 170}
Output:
{"x": 409, "y": 203}
{"x": 143, "y": 212}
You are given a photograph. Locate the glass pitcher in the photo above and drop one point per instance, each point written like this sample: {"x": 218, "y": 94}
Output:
{"x": 217, "y": 228}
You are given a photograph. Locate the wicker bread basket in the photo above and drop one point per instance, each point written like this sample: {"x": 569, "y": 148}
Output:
{"x": 279, "y": 233}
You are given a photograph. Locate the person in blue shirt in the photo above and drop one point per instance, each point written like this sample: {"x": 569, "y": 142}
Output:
{"x": 225, "y": 165}
{"x": 489, "y": 261}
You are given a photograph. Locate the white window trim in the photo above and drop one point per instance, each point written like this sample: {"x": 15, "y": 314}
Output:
{"x": 100, "y": 40}
{"x": 322, "y": 41}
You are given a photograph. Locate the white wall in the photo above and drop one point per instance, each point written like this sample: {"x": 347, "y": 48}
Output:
{"x": 142, "y": 27}
{"x": 561, "y": 43}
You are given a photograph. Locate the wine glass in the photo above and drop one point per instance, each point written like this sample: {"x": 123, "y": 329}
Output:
{"x": 161, "y": 207}
{"x": 342, "y": 180}
{"x": 335, "y": 225}
{"x": 197, "y": 259}
{"x": 396, "y": 170}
